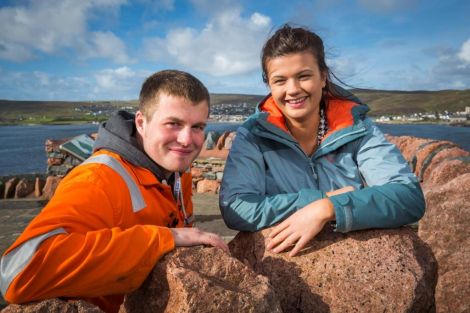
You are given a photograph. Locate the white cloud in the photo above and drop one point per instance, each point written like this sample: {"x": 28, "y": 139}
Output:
{"x": 14, "y": 52}
{"x": 464, "y": 53}
{"x": 52, "y": 26}
{"x": 229, "y": 44}
{"x": 119, "y": 83}
{"x": 107, "y": 45}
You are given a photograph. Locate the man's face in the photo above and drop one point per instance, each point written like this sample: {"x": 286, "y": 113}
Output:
{"x": 174, "y": 135}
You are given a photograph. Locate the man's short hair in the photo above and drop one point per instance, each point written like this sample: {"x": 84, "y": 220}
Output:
{"x": 174, "y": 83}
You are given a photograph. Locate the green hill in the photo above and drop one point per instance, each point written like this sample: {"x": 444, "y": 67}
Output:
{"x": 406, "y": 102}
{"x": 381, "y": 103}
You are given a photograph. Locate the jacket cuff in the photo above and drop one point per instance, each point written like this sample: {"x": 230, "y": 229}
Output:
{"x": 343, "y": 212}
{"x": 166, "y": 242}
{"x": 307, "y": 196}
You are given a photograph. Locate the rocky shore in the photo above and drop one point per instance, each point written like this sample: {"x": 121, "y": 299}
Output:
{"x": 398, "y": 270}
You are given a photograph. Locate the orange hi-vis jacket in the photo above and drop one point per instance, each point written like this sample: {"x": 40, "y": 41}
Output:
{"x": 98, "y": 237}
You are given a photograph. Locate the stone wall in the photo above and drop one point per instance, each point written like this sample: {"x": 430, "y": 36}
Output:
{"x": 374, "y": 270}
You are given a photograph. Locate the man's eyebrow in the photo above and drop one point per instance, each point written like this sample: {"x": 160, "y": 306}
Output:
{"x": 173, "y": 119}
{"x": 180, "y": 121}
{"x": 202, "y": 124}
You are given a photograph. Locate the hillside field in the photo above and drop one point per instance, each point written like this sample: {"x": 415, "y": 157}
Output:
{"x": 381, "y": 103}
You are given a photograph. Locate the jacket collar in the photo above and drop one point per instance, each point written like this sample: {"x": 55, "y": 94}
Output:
{"x": 340, "y": 114}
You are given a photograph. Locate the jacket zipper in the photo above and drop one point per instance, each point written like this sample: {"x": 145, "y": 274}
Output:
{"x": 345, "y": 135}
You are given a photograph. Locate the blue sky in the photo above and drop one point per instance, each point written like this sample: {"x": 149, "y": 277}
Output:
{"x": 104, "y": 49}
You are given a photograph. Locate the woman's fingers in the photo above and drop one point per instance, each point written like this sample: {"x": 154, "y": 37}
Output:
{"x": 299, "y": 245}
{"x": 340, "y": 191}
{"x": 286, "y": 243}
{"x": 278, "y": 228}
{"x": 278, "y": 237}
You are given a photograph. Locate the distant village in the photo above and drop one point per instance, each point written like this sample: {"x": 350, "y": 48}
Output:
{"x": 238, "y": 112}
{"x": 446, "y": 117}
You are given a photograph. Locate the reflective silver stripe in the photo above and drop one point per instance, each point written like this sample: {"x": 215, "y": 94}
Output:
{"x": 15, "y": 261}
{"x": 138, "y": 202}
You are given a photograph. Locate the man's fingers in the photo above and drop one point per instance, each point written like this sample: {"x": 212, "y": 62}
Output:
{"x": 217, "y": 241}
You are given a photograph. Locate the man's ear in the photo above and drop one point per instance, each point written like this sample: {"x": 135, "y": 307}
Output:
{"x": 139, "y": 122}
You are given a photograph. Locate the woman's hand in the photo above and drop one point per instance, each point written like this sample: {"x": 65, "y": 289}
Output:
{"x": 340, "y": 191}
{"x": 192, "y": 236}
{"x": 302, "y": 226}
{"x": 299, "y": 228}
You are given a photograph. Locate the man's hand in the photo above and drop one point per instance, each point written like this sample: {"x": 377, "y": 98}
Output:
{"x": 302, "y": 226}
{"x": 186, "y": 237}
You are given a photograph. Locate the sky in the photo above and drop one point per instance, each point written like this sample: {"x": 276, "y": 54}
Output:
{"x": 104, "y": 49}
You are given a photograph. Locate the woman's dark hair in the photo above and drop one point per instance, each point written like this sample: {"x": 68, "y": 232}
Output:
{"x": 287, "y": 40}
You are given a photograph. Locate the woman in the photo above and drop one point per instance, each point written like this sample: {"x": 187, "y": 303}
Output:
{"x": 309, "y": 155}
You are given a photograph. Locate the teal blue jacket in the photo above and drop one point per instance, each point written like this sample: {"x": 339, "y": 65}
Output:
{"x": 268, "y": 177}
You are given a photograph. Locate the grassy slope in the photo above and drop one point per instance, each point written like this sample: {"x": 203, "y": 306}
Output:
{"x": 401, "y": 102}
{"x": 381, "y": 103}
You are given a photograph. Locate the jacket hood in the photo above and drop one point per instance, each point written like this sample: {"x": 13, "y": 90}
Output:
{"x": 118, "y": 134}
{"x": 340, "y": 112}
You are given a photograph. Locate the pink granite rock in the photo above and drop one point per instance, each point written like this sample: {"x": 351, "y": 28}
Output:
{"x": 24, "y": 188}
{"x": 446, "y": 228}
{"x": 202, "y": 280}
{"x": 364, "y": 271}
{"x": 53, "y": 306}
{"x": 38, "y": 186}
{"x": 207, "y": 185}
{"x": 446, "y": 170}
{"x": 229, "y": 140}
{"x": 10, "y": 186}
{"x": 50, "y": 186}
{"x": 221, "y": 141}
{"x": 196, "y": 172}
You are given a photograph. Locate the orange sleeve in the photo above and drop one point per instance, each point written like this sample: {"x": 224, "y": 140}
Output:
{"x": 95, "y": 257}
{"x": 103, "y": 262}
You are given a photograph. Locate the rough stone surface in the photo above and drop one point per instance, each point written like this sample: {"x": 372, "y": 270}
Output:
{"x": 214, "y": 153}
{"x": 10, "y": 186}
{"x": 221, "y": 141}
{"x": 446, "y": 170}
{"x": 445, "y": 227}
{"x": 422, "y": 153}
{"x": 364, "y": 271}
{"x": 196, "y": 172}
{"x": 50, "y": 186}
{"x": 202, "y": 280}
{"x": 229, "y": 140}
{"x": 38, "y": 186}
{"x": 24, "y": 188}
{"x": 207, "y": 185}
{"x": 53, "y": 306}
{"x": 442, "y": 155}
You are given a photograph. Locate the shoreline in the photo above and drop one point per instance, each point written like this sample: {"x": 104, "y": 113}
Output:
{"x": 64, "y": 123}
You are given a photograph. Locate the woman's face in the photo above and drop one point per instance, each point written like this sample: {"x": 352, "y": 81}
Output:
{"x": 296, "y": 85}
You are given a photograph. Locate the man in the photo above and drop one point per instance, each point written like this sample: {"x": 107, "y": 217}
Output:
{"x": 115, "y": 215}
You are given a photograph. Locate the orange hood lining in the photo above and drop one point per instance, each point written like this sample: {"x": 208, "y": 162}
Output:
{"x": 338, "y": 114}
